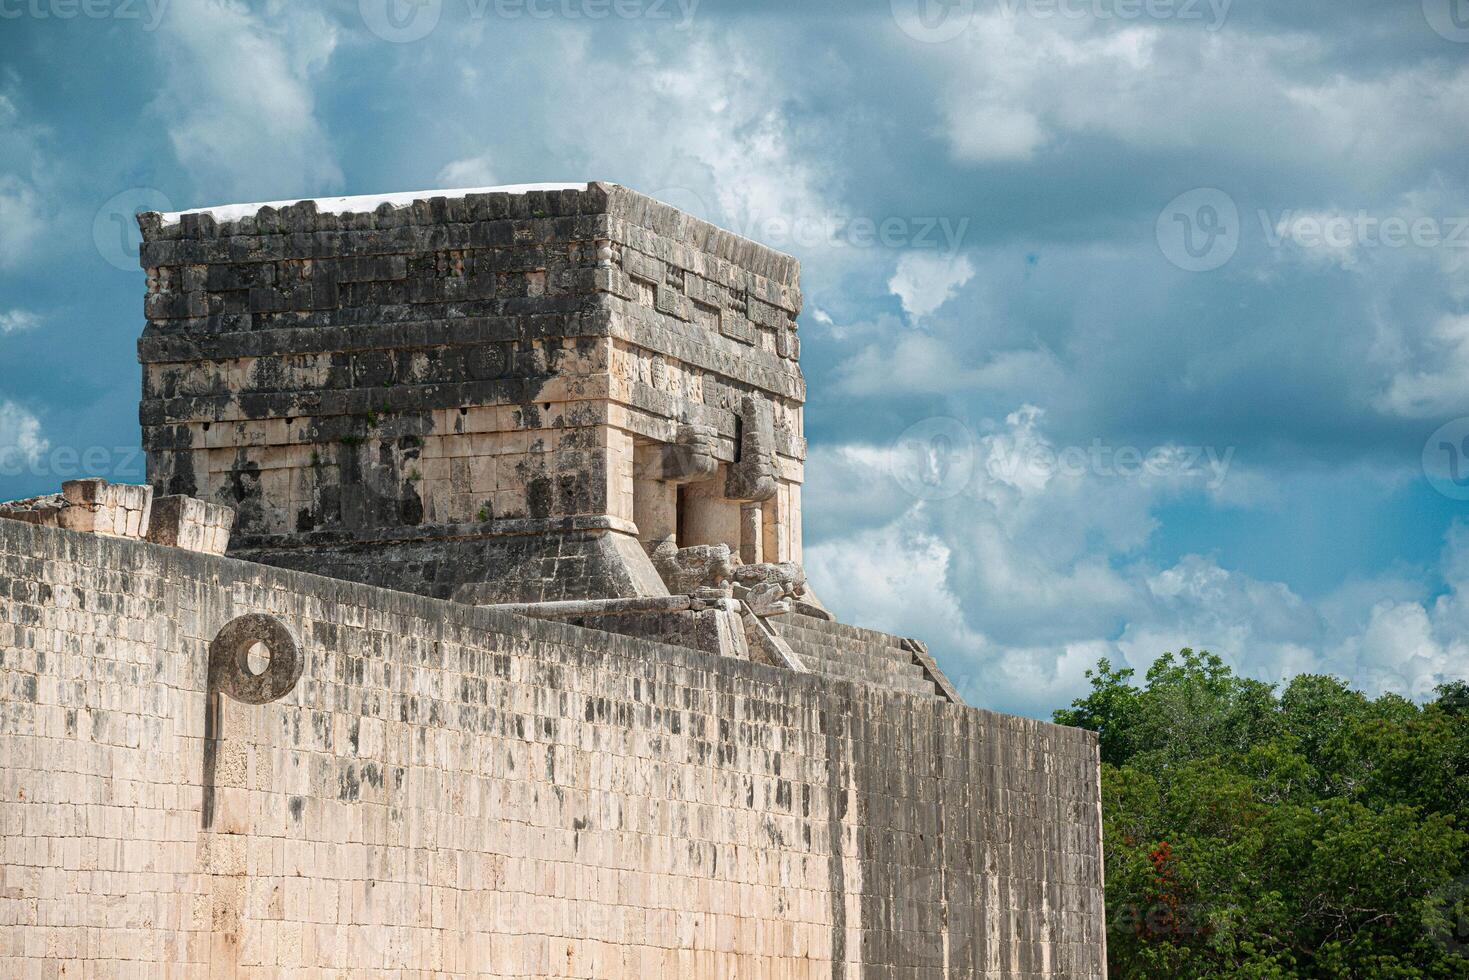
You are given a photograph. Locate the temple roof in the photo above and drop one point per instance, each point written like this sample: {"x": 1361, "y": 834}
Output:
{"x": 363, "y": 203}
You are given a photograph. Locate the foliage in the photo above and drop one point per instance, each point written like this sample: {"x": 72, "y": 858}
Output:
{"x": 1311, "y": 832}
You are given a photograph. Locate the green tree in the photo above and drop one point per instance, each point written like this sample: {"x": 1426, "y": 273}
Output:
{"x": 1310, "y": 833}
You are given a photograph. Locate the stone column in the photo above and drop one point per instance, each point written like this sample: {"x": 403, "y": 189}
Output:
{"x": 751, "y": 534}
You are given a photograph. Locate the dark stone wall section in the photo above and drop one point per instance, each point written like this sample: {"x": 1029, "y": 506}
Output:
{"x": 481, "y": 570}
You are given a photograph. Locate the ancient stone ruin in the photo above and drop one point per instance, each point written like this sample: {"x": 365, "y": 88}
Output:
{"x": 462, "y": 631}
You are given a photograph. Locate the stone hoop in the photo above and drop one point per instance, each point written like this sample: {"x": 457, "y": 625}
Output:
{"x": 229, "y": 668}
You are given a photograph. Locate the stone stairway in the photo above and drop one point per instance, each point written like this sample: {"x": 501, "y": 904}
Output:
{"x": 857, "y": 654}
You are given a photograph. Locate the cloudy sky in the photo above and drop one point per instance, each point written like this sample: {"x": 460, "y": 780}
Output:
{"x": 1130, "y": 324}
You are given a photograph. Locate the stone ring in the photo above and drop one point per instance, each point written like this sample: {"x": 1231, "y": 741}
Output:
{"x": 229, "y": 659}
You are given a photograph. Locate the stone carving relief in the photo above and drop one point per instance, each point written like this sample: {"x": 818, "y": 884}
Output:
{"x": 752, "y": 476}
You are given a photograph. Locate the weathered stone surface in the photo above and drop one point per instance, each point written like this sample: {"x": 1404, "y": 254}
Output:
{"x": 752, "y": 476}
{"x": 45, "y": 511}
{"x": 690, "y": 459}
{"x": 91, "y": 506}
{"x": 185, "y": 522}
{"x": 460, "y": 792}
{"x": 766, "y": 599}
{"x": 788, "y": 576}
{"x": 434, "y": 372}
{"x": 230, "y": 671}
{"x": 687, "y": 570}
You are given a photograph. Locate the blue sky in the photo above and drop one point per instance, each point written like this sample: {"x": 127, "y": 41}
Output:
{"x": 1130, "y": 325}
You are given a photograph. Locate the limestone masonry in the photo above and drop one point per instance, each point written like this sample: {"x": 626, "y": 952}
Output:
{"x": 495, "y": 397}
{"x": 557, "y": 699}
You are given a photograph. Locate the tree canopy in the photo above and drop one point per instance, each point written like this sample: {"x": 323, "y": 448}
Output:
{"x": 1250, "y": 832}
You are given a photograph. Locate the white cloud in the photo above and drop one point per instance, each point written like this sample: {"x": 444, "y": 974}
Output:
{"x": 701, "y": 122}
{"x": 896, "y": 576}
{"x": 21, "y": 441}
{"x": 238, "y": 102}
{"x": 1026, "y": 579}
{"x": 983, "y": 132}
{"x": 1400, "y": 650}
{"x": 922, "y": 364}
{"x": 924, "y": 281}
{"x": 469, "y": 172}
{"x": 1022, "y": 84}
{"x": 21, "y": 219}
{"x": 15, "y": 321}
{"x": 23, "y": 172}
{"x": 1441, "y": 387}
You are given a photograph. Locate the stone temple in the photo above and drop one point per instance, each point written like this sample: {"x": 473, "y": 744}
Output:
{"x": 461, "y": 631}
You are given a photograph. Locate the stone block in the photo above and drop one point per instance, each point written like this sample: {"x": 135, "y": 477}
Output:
{"x": 192, "y": 524}
{"x": 95, "y": 506}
